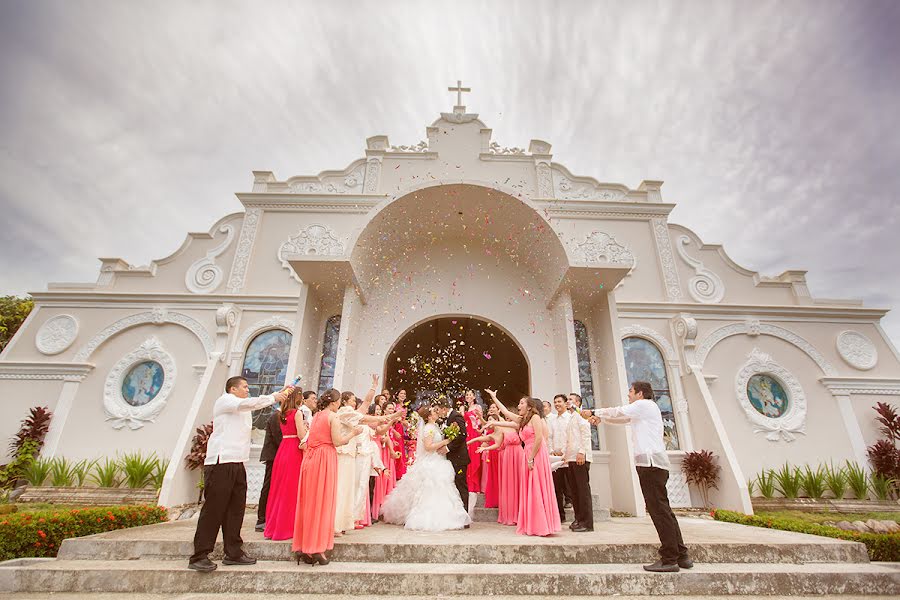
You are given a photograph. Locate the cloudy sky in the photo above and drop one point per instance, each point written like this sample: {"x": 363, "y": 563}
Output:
{"x": 774, "y": 125}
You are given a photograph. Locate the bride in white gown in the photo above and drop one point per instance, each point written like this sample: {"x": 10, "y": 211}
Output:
{"x": 426, "y": 499}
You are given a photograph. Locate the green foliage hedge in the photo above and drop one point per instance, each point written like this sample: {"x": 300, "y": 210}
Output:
{"x": 40, "y": 533}
{"x": 881, "y": 546}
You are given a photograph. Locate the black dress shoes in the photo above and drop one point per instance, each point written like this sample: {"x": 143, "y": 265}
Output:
{"x": 260, "y": 526}
{"x": 581, "y": 528}
{"x": 573, "y": 525}
{"x": 243, "y": 559}
{"x": 659, "y": 567}
{"x": 204, "y": 565}
{"x": 685, "y": 562}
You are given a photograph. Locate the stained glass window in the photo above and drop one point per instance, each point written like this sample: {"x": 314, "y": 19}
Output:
{"x": 329, "y": 353}
{"x": 585, "y": 379}
{"x": 265, "y": 368}
{"x": 644, "y": 362}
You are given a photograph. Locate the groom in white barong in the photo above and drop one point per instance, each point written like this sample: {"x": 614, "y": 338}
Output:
{"x": 426, "y": 499}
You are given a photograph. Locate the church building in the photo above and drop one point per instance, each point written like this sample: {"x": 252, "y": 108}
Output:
{"x": 451, "y": 263}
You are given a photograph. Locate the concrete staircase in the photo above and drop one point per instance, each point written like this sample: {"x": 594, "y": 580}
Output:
{"x": 487, "y": 559}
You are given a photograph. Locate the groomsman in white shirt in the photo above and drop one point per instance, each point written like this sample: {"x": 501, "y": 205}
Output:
{"x": 224, "y": 477}
{"x": 578, "y": 474}
{"x": 653, "y": 466}
{"x": 558, "y": 421}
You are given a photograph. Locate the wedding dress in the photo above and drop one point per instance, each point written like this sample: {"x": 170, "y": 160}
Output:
{"x": 426, "y": 499}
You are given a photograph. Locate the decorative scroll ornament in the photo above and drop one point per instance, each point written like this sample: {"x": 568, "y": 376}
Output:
{"x": 705, "y": 286}
{"x": 793, "y": 419}
{"x": 857, "y": 350}
{"x": 118, "y": 411}
{"x": 350, "y": 183}
{"x": 602, "y": 247}
{"x": 373, "y": 171}
{"x": 544, "y": 180}
{"x": 245, "y": 246}
{"x": 566, "y": 189}
{"x": 496, "y": 148}
{"x": 420, "y": 147}
{"x": 315, "y": 240}
{"x": 204, "y": 276}
{"x": 666, "y": 260}
{"x": 56, "y": 334}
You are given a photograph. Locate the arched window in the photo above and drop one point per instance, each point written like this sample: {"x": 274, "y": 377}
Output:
{"x": 265, "y": 368}
{"x": 585, "y": 379}
{"x": 644, "y": 362}
{"x": 329, "y": 353}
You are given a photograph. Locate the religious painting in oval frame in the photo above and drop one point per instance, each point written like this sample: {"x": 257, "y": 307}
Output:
{"x": 143, "y": 383}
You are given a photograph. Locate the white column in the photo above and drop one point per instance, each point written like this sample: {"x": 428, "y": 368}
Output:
{"x": 341, "y": 360}
{"x": 857, "y": 442}
{"x": 298, "y": 336}
{"x": 60, "y": 415}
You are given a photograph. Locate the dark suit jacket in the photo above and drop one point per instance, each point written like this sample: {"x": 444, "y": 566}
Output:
{"x": 273, "y": 437}
{"x": 457, "y": 452}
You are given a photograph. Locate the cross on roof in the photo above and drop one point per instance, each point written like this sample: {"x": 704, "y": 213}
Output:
{"x": 459, "y": 89}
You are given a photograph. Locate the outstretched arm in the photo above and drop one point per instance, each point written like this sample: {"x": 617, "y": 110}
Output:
{"x": 481, "y": 438}
{"x": 505, "y": 411}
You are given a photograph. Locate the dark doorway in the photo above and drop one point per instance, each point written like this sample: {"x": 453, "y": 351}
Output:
{"x": 448, "y": 355}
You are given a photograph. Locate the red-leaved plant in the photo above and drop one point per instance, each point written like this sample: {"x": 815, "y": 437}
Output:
{"x": 884, "y": 455}
{"x": 194, "y": 459}
{"x": 34, "y": 427}
{"x": 701, "y": 469}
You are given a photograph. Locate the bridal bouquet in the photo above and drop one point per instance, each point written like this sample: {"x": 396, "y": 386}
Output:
{"x": 451, "y": 432}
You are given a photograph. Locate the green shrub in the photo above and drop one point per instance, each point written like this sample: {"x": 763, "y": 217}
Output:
{"x": 25, "y": 455}
{"x": 836, "y": 480}
{"x": 61, "y": 473}
{"x": 106, "y": 474}
{"x": 159, "y": 472}
{"x": 137, "y": 469}
{"x": 41, "y": 533}
{"x": 82, "y": 469}
{"x": 813, "y": 482}
{"x": 766, "y": 483}
{"x": 880, "y": 546}
{"x": 881, "y": 486}
{"x": 788, "y": 481}
{"x": 37, "y": 471}
{"x": 858, "y": 480}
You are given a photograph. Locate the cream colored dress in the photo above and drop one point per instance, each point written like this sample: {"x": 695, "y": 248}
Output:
{"x": 344, "y": 519}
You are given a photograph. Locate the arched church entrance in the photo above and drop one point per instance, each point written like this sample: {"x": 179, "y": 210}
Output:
{"x": 448, "y": 355}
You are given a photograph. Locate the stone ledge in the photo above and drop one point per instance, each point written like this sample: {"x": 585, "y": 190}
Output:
{"x": 825, "y": 505}
{"x": 89, "y": 496}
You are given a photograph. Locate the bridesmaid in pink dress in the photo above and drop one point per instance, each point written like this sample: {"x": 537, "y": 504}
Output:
{"x": 397, "y": 436}
{"x": 512, "y": 474}
{"x": 488, "y": 449}
{"x": 281, "y": 509}
{"x": 316, "y": 506}
{"x": 538, "y": 511}
{"x": 386, "y": 481}
{"x": 473, "y": 424}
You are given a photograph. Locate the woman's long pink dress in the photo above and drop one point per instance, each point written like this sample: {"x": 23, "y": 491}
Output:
{"x": 396, "y": 432}
{"x": 384, "y": 483}
{"x": 512, "y": 474}
{"x": 281, "y": 510}
{"x": 490, "y": 468}
{"x": 538, "y": 511}
{"x": 473, "y": 471}
{"x": 314, "y": 526}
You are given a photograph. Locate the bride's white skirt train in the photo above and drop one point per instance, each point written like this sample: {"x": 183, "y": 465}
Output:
{"x": 426, "y": 498}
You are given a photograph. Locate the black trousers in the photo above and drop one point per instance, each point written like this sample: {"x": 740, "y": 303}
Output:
{"x": 653, "y": 486}
{"x": 372, "y": 480}
{"x": 561, "y": 487}
{"x": 460, "y": 481}
{"x": 579, "y": 480}
{"x": 225, "y": 488}
{"x": 264, "y": 493}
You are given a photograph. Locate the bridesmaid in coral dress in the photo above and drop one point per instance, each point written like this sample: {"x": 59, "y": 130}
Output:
{"x": 473, "y": 424}
{"x": 512, "y": 474}
{"x": 538, "y": 512}
{"x": 396, "y": 434}
{"x": 314, "y": 525}
{"x": 387, "y": 480}
{"x": 281, "y": 509}
{"x": 488, "y": 449}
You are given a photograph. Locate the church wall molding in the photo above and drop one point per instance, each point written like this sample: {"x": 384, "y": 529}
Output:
{"x": 44, "y": 371}
{"x": 157, "y": 316}
{"x": 204, "y": 276}
{"x": 740, "y": 311}
{"x": 244, "y": 251}
{"x": 856, "y": 349}
{"x": 119, "y": 413}
{"x": 56, "y": 334}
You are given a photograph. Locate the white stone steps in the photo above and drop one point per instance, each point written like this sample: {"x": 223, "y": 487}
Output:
{"x": 167, "y": 576}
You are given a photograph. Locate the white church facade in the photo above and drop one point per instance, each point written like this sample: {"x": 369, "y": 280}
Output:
{"x": 509, "y": 268}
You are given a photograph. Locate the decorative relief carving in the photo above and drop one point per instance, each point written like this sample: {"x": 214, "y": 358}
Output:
{"x": 793, "y": 420}
{"x": 373, "y": 172}
{"x": 600, "y": 246}
{"x": 764, "y": 329}
{"x": 666, "y": 259}
{"x": 157, "y": 316}
{"x": 226, "y": 317}
{"x": 317, "y": 240}
{"x": 677, "y": 489}
{"x": 244, "y": 249}
{"x": 685, "y": 327}
{"x": 495, "y": 148}
{"x": 544, "y": 180}
{"x": 566, "y": 189}
{"x": 857, "y": 350}
{"x": 119, "y": 412}
{"x": 350, "y": 183}
{"x": 705, "y": 286}
{"x": 460, "y": 116}
{"x": 56, "y": 334}
{"x": 204, "y": 276}
{"x": 420, "y": 147}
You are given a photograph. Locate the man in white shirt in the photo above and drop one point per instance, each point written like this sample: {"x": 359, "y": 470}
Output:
{"x": 578, "y": 474}
{"x": 653, "y": 466}
{"x": 557, "y": 422}
{"x": 224, "y": 477}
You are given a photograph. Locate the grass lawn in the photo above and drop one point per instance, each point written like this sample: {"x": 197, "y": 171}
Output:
{"x": 821, "y": 517}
